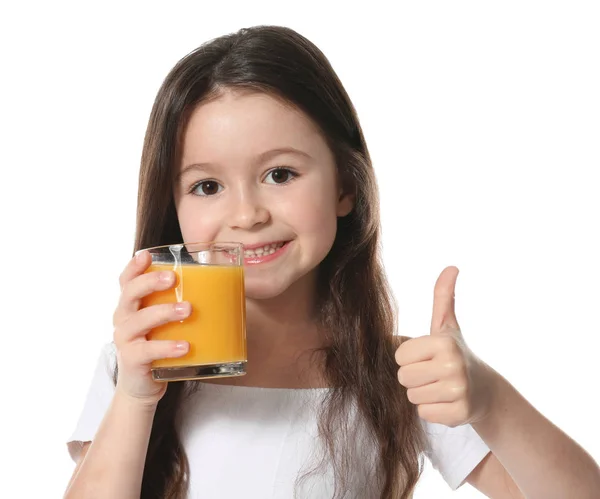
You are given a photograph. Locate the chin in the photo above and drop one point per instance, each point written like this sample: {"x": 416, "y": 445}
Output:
{"x": 266, "y": 287}
{"x": 264, "y": 291}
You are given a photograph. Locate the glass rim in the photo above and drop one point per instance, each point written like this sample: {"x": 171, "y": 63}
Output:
{"x": 209, "y": 246}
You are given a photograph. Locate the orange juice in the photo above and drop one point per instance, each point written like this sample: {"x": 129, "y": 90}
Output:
{"x": 216, "y": 327}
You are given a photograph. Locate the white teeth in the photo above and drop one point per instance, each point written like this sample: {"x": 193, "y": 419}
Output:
{"x": 267, "y": 249}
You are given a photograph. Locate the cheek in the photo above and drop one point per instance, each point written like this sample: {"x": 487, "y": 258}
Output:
{"x": 315, "y": 222}
{"x": 193, "y": 227}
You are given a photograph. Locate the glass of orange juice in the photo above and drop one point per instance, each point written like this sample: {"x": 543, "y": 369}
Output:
{"x": 211, "y": 277}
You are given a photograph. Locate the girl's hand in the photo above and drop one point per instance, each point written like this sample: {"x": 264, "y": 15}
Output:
{"x": 134, "y": 352}
{"x": 447, "y": 382}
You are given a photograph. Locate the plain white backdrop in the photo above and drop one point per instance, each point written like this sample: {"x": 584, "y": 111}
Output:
{"x": 483, "y": 124}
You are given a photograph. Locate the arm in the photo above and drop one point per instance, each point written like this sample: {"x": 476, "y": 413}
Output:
{"x": 531, "y": 452}
{"x": 113, "y": 465}
{"x": 492, "y": 479}
{"x": 450, "y": 385}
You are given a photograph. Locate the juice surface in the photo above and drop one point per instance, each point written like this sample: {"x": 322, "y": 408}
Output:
{"x": 216, "y": 328}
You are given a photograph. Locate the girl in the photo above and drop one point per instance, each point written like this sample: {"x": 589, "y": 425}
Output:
{"x": 252, "y": 138}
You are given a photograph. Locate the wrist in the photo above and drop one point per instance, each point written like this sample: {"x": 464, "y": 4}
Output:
{"x": 497, "y": 390}
{"x": 137, "y": 404}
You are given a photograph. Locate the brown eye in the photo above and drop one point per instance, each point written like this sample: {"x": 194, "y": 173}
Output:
{"x": 206, "y": 188}
{"x": 280, "y": 176}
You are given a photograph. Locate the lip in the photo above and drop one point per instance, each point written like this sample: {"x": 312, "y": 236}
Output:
{"x": 256, "y": 260}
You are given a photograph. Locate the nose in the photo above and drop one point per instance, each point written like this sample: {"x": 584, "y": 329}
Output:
{"x": 248, "y": 211}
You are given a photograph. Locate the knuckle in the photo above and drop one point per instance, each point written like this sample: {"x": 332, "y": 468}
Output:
{"x": 117, "y": 316}
{"x": 124, "y": 277}
{"x": 144, "y": 318}
{"x": 166, "y": 313}
{"x": 132, "y": 352}
{"x": 451, "y": 354}
{"x": 456, "y": 369}
{"x": 455, "y": 350}
{"x": 451, "y": 368}
{"x": 125, "y": 290}
{"x": 446, "y": 343}
{"x": 120, "y": 338}
{"x": 129, "y": 328}
{"x": 458, "y": 390}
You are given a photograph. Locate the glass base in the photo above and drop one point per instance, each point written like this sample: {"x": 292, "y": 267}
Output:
{"x": 185, "y": 373}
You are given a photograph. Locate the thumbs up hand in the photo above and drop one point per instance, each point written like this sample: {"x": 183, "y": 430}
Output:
{"x": 444, "y": 379}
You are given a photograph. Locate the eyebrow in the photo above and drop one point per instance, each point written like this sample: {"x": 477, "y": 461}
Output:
{"x": 264, "y": 156}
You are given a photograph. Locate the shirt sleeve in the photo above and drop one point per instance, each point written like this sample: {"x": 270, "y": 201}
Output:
{"x": 99, "y": 397}
{"x": 454, "y": 452}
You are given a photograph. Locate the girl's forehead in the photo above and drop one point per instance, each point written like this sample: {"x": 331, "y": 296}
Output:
{"x": 247, "y": 122}
{"x": 247, "y": 109}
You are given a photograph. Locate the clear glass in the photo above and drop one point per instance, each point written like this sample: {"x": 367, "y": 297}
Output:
{"x": 211, "y": 277}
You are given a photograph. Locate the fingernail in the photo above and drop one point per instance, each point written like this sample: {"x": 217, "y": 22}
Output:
{"x": 182, "y": 345}
{"x": 139, "y": 257}
{"x": 166, "y": 276}
{"x": 182, "y": 308}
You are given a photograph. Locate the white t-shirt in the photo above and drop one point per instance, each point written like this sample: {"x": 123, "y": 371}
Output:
{"x": 253, "y": 442}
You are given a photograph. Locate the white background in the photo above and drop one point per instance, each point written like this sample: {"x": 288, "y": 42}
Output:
{"x": 483, "y": 123}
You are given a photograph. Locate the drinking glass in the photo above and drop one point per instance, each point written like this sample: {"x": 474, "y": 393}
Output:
{"x": 210, "y": 276}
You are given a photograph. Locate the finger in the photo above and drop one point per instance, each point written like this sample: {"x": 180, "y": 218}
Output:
{"x": 422, "y": 349}
{"x": 444, "y": 315}
{"x": 145, "y": 352}
{"x": 142, "y": 321}
{"x": 424, "y": 373}
{"x": 435, "y": 393}
{"x": 139, "y": 287}
{"x": 136, "y": 266}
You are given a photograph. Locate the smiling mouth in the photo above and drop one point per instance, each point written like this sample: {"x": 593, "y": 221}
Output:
{"x": 261, "y": 251}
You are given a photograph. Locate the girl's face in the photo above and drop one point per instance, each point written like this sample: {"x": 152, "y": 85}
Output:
{"x": 256, "y": 171}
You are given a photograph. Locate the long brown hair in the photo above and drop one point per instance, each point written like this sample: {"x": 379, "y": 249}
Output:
{"x": 357, "y": 309}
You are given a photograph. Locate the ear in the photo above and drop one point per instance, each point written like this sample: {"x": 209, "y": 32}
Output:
{"x": 345, "y": 204}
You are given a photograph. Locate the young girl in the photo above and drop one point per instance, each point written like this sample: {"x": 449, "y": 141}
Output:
{"x": 252, "y": 138}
